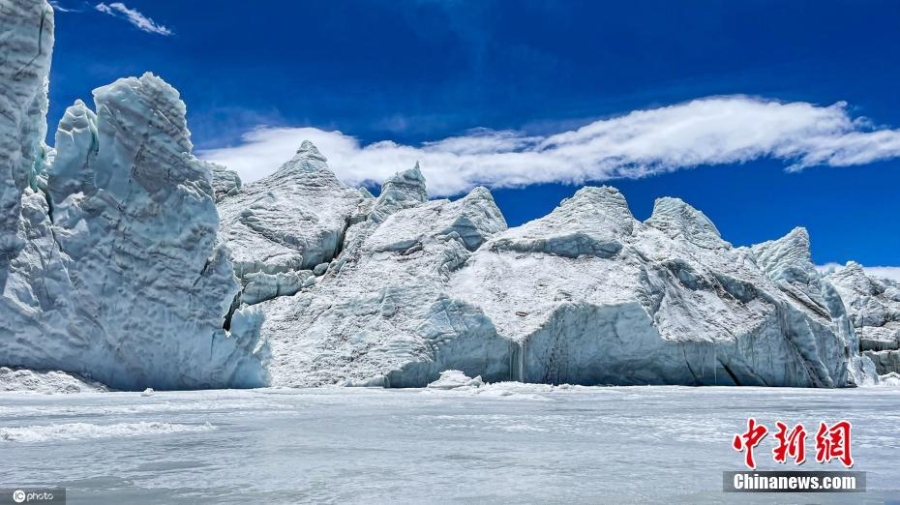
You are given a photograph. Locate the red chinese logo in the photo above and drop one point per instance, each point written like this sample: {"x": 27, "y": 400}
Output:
{"x": 748, "y": 440}
{"x": 832, "y": 443}
{"x": 790, "y": 444}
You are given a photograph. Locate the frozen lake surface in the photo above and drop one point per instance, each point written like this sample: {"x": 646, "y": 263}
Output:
{"x": 503, "y": 444}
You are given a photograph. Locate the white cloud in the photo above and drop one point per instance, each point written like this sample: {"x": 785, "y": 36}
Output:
{"x": 59, "y": 8}
{"x": 140, "y": 21}
{"x": 892, "y": 273}
{"x": 709, "y": 131}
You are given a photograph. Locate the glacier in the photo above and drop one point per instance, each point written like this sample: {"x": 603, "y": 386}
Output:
{"x": 128, "y": 261}
{"x": 380, "y": 315}
{"x": 666, "y": 301}
{"x": 113, "y": 269}
{"x": 586, "y": 295}
{"x": 286, "y": 227}
{"x": 873, "y": 305}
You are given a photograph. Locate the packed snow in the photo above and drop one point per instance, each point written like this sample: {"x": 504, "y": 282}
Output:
{"x": 891, "y": 379}
{"x": 52, "y": 382}
{"x": 57, "y": 432}
{"x": 503, "y": 443}
{"x": 454, "y": 379}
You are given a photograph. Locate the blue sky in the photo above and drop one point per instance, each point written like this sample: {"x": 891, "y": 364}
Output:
{"x": 510, "y": 82}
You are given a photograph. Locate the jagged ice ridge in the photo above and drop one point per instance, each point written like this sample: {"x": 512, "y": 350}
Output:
{"x": 126, "y": 260}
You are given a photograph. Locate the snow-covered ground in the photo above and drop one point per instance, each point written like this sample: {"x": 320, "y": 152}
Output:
{"x": 52, "y": 382}
{"x": 506, "y": 443}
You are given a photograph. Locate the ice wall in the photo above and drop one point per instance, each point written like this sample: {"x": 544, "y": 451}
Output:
{"x": 26, "y": 44}
{"x": 594, "y": 297}
{"x": 111, "y": 265}
{"x": 116, "y": 266}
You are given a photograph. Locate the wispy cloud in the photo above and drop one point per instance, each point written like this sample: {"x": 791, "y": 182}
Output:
{"x": 709, "y": 131}
{"x": 60, "y": 8}
{"x": 140, "y": 21}
{"x": 892, "y": 273}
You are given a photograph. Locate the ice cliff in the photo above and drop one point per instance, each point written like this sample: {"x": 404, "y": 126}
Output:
{"x": 874, "y": 307}
{"x": 592, "y": 296}
{"x": 381, "y": 313}
{"x": 282, "y": 227}
{"x": 586, "y": 295}
{"x": 25, "y": 48}
{"x": 126, "y": 260}
{"x": 112, "y": 268}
